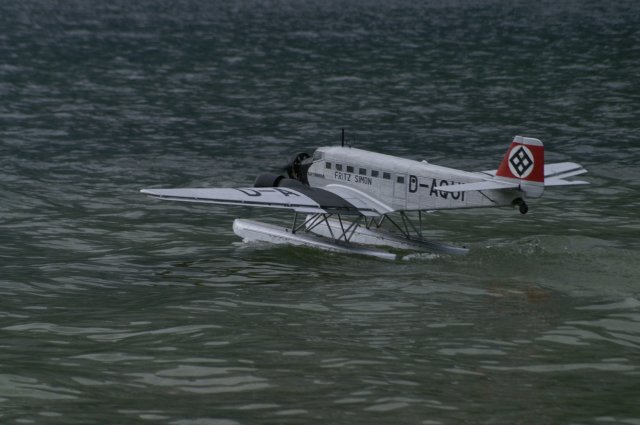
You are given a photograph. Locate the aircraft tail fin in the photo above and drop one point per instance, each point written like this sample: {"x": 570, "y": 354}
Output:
{"x": 524, "y": 164}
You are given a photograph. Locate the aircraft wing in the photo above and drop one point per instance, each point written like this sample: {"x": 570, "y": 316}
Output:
{"x": 366, "y": 203}
{"x": 307, "y": 200}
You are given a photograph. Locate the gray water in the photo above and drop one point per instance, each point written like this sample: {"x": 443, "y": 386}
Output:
{"x": 120, "y": 309}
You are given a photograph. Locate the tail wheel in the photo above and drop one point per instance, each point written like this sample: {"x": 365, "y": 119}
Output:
{"x": 522, "y": 206}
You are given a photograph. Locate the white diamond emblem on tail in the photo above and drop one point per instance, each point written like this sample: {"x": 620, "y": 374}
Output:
{"x": 521, "y": 162}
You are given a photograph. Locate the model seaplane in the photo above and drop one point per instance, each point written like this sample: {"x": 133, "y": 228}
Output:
{"x": 351, "y": 200}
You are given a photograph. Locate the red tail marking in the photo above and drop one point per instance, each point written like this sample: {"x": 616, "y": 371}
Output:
{"x": 523, "y": 161}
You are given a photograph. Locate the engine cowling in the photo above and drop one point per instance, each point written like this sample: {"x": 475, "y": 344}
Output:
{"x": 298, "y": 166}
{"x": 276, "y": 180}
{"x": 268, "y": 180}
{"x": 296, "y": 169}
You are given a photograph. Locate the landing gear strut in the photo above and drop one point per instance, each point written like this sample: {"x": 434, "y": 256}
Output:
{"x": 522, "y": 206}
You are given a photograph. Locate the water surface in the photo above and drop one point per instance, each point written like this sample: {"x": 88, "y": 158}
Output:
{"x": 117, "y": 308}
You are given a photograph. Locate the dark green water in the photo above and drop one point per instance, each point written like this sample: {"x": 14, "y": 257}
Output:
{"x": 119, "y": 309}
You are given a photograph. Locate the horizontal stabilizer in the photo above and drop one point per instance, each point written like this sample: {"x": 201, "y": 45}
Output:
{"x": 555, "y": 181}
{"x": 484, "y": 185}
{"x": 554, "y": 175}
{"x": 563, "y": 170}
{"x": 566, "y": 169}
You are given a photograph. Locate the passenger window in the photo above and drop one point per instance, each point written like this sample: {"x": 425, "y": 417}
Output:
{"x": 374, "y": 173}
{"x": 400, "y": 179}
{"x": 339, "y": 167}
{"x": 363, "y": 171}
{"x": 327, "y": 165}
{"x": 349, "y": 169}
{"x": 386, "y": 176}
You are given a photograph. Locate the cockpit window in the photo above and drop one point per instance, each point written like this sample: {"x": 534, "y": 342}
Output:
{"x": 318, "y": 155}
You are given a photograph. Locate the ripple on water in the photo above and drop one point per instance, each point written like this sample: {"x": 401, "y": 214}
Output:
{"x": 106, "y": 334}
{"x": 16, "y": 386}
{"x": 204, "y": 380}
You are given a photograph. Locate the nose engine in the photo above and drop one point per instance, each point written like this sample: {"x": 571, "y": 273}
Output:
{"x": 298, "y": 166}
{"x": 296, "y": 170}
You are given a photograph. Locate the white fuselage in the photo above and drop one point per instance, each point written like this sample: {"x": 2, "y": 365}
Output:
{"x": 402, "y": 184}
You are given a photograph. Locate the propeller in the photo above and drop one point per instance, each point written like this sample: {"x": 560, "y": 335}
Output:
{"x": 296, "y": 169}
{"x": 294, "y": 166}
